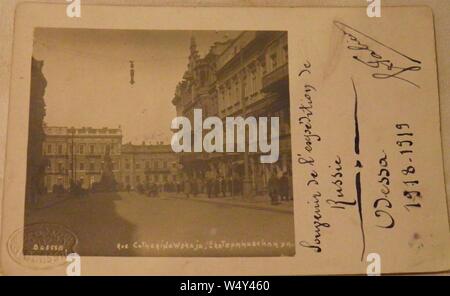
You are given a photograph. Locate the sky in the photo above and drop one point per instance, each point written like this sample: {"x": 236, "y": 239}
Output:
{"x": 88, "y": 77}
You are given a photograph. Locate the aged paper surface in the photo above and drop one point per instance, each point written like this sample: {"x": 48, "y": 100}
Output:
{"x": 364, "y": 131}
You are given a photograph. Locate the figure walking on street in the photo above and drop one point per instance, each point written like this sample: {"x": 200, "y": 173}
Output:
{"x": 284, "y": 187}
{"x": 273, "y": 187}
{"x": 187, "y": 188}
{"x": 209, "y": 186}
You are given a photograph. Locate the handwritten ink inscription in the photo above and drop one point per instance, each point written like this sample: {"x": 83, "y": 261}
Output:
{"x": 342, "y": 189}
{"x": 339, "y": 202}
{"x": 362, "y": 48}
{"x": 405, "y": 142}
{"x": 382, "y": 204}
{"x": 307, "y": 160}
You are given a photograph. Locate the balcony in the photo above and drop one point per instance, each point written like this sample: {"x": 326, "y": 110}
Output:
{"x": 93, "y": 172}
{"x": 161, "y": 170}
{"x": 277, "y": 80}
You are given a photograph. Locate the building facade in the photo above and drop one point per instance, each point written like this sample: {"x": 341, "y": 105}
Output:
{"x": 245, "y": 76}
{"x": 198, "y": 90}
{"x": 148, "y": 164}
{"x": 77, "y": 155}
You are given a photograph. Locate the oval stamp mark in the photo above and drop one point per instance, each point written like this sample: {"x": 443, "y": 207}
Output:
{"x": 41, "y": 245}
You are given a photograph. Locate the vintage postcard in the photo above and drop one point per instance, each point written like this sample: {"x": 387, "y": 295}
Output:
{"x": 244, "y": 141}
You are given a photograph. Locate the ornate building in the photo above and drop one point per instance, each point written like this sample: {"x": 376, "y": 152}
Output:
{"x": 245, "y": 76}
{"x": 78, "y": 155}
{"x": 145, "y": 164}
{"x": 198, "y": 90}
{"x": 86, "y": 154}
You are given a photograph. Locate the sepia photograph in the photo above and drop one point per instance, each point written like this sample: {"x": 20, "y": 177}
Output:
{"x": 131, "y": 143}
{"x": 222, "y": 140}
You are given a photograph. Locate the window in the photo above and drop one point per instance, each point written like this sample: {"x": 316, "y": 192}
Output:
{"x": 156, "y": 164}
{"x": 138, "y": 165}
{"x": 202, "y": 78}
{"x": 147, "y": 164}
{"x": 81, "y": 149}
{"x": 81, "y": 166}
{"x": 60, "y": 149}
{"x": 127, "y": 165}
{"x": 273, "y": 59}
{"x": 165, "y": 164}
{"x": 91, "y": 149}
{"x": 165, "y": 178}
{"x": 91, "y": 166}
{"x": 138, "y": 179}
{"x": 127, "y": 179}
{"x": 49, "y": 148}
{"x": 60, "y": 167}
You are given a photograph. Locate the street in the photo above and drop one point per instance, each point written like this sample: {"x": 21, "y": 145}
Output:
{"x": 132, "y": 224}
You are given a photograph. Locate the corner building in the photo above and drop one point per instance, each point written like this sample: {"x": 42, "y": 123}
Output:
{"x": 245, "y": 76}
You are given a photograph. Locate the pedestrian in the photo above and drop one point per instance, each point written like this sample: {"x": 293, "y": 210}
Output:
{"x": 273, "y": 188}
{"x": 209, "y": 185}
{"x": 155, "y": 189}
{"x": 187, "y": 188}
{"x": 194, "y": 187}
{"x": 284, "y": 187}
{"x": 151, "y": 189}
{"x": 236, "y": 189}
{"x": 216, "y": 187}
{"x": 178, "y": 186}
{"x": 229, "y": 184}
{"x": 223, "y": 186}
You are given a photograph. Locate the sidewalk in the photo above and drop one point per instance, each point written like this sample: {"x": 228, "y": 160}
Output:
{"x": 259, "y": 202}
{"x": 256, "y": 202}
{"x": 48, "y": 200}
